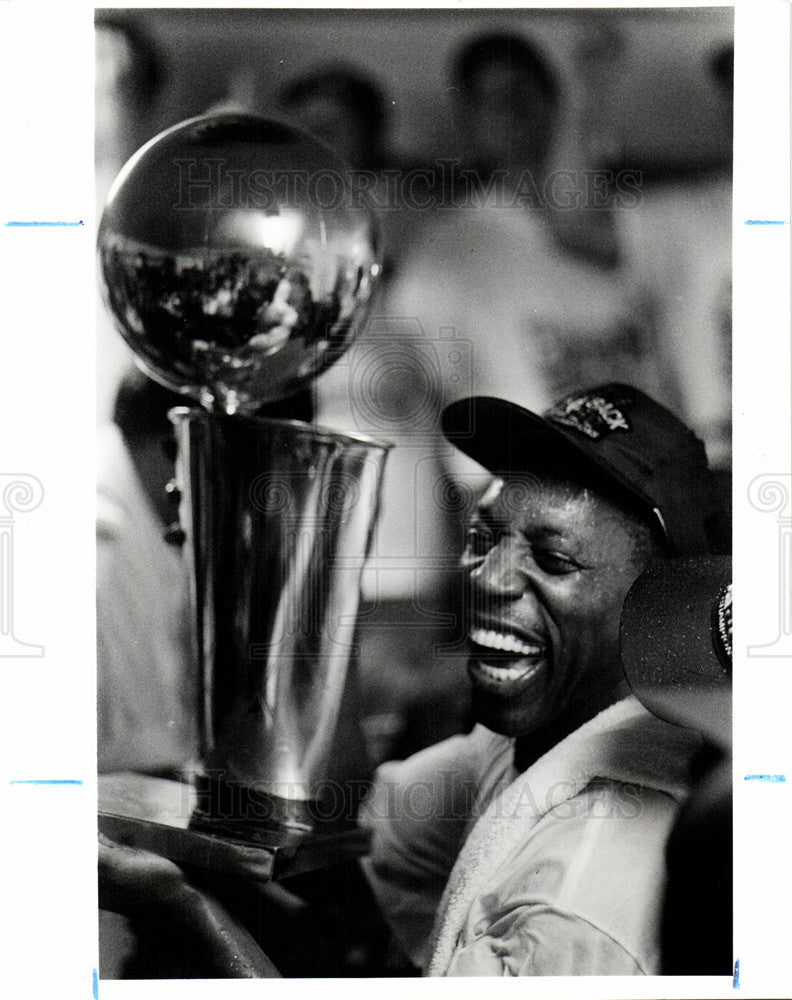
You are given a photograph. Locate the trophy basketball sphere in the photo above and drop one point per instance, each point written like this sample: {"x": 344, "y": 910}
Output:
{"x": 236, "y": 260}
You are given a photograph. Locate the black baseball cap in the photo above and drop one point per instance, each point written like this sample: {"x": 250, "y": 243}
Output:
{"x": 676, "y": 643}
{"x": 614, "y": 433}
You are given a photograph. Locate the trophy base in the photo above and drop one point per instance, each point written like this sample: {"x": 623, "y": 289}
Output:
{"x": 159, "y": 815}
{"x": 233, "y": 809}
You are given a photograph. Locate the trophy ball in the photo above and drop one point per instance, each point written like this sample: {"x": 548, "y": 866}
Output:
{"x": 237, "y": 257}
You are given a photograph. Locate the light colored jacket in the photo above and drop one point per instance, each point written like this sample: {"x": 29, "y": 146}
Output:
{"x": 556, "y": 871}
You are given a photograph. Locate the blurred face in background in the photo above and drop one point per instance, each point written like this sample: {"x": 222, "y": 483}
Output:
{"x": 336, "y": 124}
{"x": 127, "y": 85}
{"x": 112, "y": 113}
{"x": 507, "y": 118}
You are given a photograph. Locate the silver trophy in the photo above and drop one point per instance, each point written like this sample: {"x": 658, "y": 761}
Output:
{"x": 238, "y": 266}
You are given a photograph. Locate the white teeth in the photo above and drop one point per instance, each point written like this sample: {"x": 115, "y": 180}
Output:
{"x": 505, "y": 643}
{"x": 503, "y": 673}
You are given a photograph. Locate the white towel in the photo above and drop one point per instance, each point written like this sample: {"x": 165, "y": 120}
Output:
{"x": 623, "y": 743}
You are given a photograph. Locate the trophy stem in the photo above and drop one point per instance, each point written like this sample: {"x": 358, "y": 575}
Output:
{"x": 278, "y": 517}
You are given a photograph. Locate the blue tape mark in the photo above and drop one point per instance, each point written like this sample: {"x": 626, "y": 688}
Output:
{"x": 95, "y": 980}
{"x": 736, "y": 979}
{"x": 766, "y": 222}
{"x": 30, "y": 224}
{"x": 775, "y": 778}
{"x": 47, "y": 781}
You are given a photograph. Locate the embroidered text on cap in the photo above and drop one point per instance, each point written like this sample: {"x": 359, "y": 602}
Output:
{"x": 593, "y": 416}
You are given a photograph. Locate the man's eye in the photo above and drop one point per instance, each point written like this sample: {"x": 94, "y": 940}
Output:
{"x": 479, "y": 541}
{"x": 555, "y": 563}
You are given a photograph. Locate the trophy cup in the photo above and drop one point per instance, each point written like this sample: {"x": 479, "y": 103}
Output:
{"x": 238, "y": 267}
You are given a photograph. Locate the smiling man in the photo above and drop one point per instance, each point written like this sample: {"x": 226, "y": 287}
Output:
{"x": 549, "y": 564}
{"x": 535, "y": 844}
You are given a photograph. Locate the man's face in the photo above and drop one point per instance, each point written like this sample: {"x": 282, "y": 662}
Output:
{"x": 549, "y": 567}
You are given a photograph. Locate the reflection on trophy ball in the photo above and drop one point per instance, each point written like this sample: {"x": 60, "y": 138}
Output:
{"x": 237, "y": 259}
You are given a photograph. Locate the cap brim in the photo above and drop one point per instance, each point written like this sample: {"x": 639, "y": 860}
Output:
{"x": 507, "y": 439}
{"x": 669, "y": 644}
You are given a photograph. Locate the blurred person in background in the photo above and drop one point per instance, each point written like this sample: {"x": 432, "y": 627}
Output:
{"x": 507, "y": 106}
{"x": 129, "y": 78}
{"x": 146, "y": 683}
{"x": 346, "y": 109}
{"x": 342, "y": 108}
{"x": 585, "y": 227}
{"x": 677, "y": 246}
{"x": 539, "y": 319}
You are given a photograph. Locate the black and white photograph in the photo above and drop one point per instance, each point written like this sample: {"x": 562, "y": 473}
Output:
{"x": 427, "y": 420}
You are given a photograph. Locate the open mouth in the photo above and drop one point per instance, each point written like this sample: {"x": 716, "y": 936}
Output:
{"x": 503, "y": 656}
{"x": 504, "y": 642}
